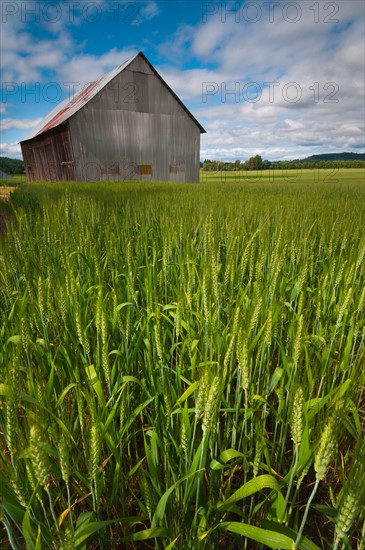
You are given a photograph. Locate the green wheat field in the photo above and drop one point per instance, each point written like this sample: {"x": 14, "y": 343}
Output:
{"x": 182, "y": 366}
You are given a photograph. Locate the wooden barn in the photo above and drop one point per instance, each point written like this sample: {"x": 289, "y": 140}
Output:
{"x": 129, "y": 124}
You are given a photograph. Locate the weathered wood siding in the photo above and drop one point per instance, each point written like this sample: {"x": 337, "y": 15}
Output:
{"x": 49, "y": 157}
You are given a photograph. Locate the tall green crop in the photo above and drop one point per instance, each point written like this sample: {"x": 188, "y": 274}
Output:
{"x": 182, "y": 364}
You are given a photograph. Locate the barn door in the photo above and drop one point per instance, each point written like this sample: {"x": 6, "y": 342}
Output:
{"x": 67, "y": 162}
{"x": 51, "y": 162}
{"x": 45, "y": 168}
{"x": 30, "y": 165}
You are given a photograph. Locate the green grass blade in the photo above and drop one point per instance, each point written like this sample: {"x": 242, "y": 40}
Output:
{"x": 271, "y": 539}
{"x": 259, "y": 483}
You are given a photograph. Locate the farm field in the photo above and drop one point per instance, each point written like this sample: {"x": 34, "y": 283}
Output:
{"x": 18, "y": 179}
{"x": 303, "y": 176}
{"x": 182, "y": 366}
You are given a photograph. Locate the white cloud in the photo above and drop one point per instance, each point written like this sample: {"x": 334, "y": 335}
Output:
{"x": 25, "y": 59}
{"x": 193, "y": 83}
{"x": 85, "y": 68}
{"x": 178, "y": 45}
{"x": 320, "y": 59}
{"x": 138, "y": 13}
{"x": 149, "y": 10}
{"x": 18, "y": 123}
{"x": 10, "y": 150}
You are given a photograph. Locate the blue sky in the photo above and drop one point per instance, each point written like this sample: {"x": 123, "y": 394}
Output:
{"x": 284, "y": 79}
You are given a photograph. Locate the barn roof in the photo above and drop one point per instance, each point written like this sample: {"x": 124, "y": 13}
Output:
{"x": 69, "y": 107}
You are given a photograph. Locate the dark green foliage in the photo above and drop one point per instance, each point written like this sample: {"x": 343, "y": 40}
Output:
{"x": 330, "y": 160}
{"x": 27, "y": 198}
{"x": 11, "y": 166}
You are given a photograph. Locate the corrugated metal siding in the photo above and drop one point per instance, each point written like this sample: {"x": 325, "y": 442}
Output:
{"x": 135, "y": 121}
{"x": 62, "y": 112}
{"x": 127, "y": 125}
{"x": 113, "y": 145}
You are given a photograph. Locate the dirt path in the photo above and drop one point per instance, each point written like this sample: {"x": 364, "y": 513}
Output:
{"x": 5, "y": 192}
{"x": 6, "y": 216}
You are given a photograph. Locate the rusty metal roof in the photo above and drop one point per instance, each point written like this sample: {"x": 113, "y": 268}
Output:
{"x": 69, "y": 107}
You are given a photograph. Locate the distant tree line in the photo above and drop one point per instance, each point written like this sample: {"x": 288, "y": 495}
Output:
{"x": 254, "y": 163}
{"x": 300, "y": 164}
{"x": 340, "y": 160}
{"x": 11, "y": 166}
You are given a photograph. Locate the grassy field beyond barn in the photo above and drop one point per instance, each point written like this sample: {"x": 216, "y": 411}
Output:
{"x": 182, "y": 366}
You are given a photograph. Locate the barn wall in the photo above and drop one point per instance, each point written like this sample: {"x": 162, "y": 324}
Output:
{"x": 49, "y": 157}
{"x": 135, "y": 129}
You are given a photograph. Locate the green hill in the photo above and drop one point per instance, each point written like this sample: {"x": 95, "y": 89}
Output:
{"x": 334, "y": 156}
{"x": 11, "y": 166}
